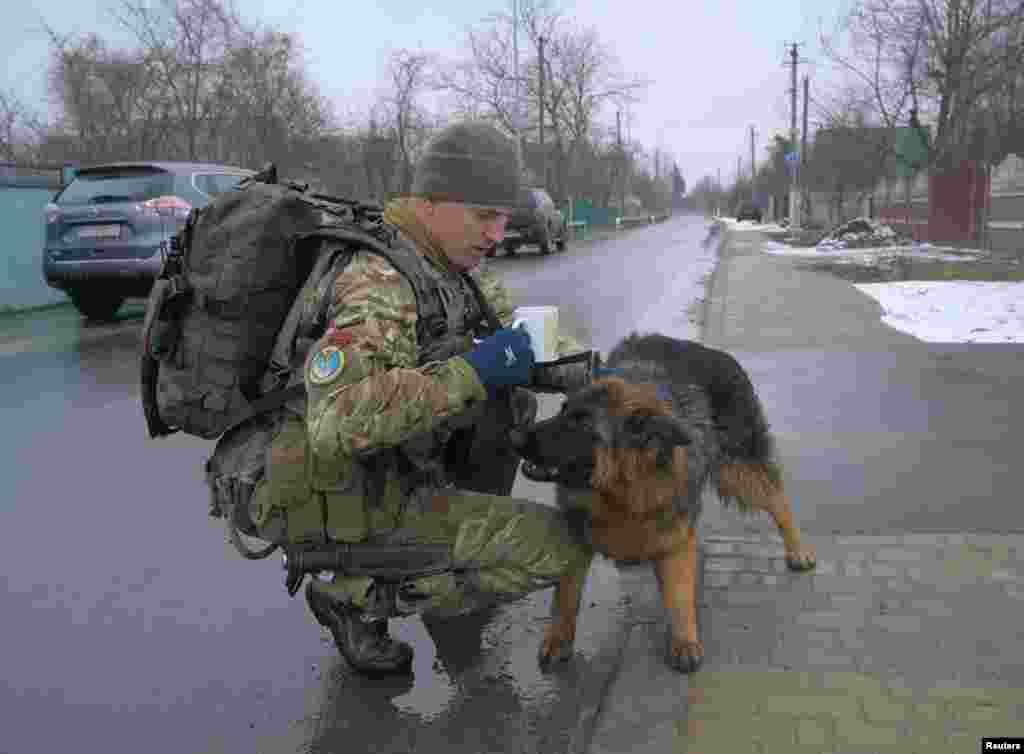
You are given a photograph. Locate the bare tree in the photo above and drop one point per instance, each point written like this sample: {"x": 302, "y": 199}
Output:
{"x": 850, "y": 151}
{"x": 379, "y": 157}
{"x": 263, "y": 108}
{"x": 410, "y": 75}
{"x": 12, "y": 113}
{"x": 582, "y": 78}
{"x": 706, "y": 195}
{"x": 185, "y": 41}
{"x": 237, "y": 96}
{"x": 945, "y": 58}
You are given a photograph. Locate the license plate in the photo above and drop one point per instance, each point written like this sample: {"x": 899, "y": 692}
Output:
{"x": 100, "y": 231}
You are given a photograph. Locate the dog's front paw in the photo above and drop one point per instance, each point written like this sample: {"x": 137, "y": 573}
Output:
{"x": 803, "y": 558}
{"x": 684, "y": 655}
{"x": 554, "y": 649}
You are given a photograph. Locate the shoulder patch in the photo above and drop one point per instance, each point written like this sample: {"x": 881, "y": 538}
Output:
{"x": 327, "y": 364}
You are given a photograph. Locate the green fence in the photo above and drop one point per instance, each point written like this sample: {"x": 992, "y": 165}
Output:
{"x": 24, "y": 192}
{"x": 585, "y": 211}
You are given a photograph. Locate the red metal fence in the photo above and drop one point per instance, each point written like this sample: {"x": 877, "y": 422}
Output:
{"x": 953, "y": 212}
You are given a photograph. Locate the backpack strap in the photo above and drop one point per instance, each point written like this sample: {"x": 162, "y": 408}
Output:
{"x": 486, "y": 309}
{"x": 431, "y": 321}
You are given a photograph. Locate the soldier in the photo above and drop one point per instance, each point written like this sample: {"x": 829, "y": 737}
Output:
{"x": 375, "y": 406}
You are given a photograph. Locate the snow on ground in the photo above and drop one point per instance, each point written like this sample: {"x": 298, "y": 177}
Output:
{"x": 954, "y": 311}
{"x": 874, "y": 254}
{"x": 751, "y": 225}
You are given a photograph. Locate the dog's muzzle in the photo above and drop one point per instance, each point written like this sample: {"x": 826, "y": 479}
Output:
{"x": 539, "y": 473}
{"x": 577, "y": 477}
{"x": 521, "y": 442}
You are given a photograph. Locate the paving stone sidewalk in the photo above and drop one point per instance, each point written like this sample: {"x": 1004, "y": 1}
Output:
{"x": 904, "y": 643}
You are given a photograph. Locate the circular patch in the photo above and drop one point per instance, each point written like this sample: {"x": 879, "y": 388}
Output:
{"x": 326, "y": 365}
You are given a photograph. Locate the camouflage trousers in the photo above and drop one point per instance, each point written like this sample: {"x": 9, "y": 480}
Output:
{"x": 502, "y": 548}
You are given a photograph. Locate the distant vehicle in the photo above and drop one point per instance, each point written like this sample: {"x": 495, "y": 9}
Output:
{"x": 749, "y": 211}
{"x": 536, "y": 221}
{"x": 105, "y": 229}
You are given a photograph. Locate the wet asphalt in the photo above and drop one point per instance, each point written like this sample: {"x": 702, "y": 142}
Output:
{"x": 131, "y": 625}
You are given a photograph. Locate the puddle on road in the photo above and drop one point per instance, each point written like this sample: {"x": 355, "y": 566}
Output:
{"x": 896, "y": 267}
{"x": 472, "y": 669}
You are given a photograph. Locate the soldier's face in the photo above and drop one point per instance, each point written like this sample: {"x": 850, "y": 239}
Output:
{"x": 467, "y": 233}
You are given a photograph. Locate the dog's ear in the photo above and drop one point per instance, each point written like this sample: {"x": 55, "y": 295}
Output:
{"x": 661, "y": 432}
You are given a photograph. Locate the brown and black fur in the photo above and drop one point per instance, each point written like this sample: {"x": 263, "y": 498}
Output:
{"x": 637, "y": 450}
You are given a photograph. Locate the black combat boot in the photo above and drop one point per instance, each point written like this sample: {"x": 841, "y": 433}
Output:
{"x": 365, "y": 645}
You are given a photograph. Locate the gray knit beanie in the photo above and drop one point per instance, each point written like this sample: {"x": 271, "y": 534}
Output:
{"x": 472, "y": 163}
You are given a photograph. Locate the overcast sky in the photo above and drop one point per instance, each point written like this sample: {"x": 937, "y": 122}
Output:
{"x": 716, "y": 67}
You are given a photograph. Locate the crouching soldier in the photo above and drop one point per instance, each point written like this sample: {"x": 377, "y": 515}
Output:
{"x": 402, "y": 436}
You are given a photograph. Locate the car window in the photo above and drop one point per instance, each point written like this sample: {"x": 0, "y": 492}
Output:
{"x": 538, "y": 199}
{"x": 214, "y": 184}
{"x": 117, "y": 185}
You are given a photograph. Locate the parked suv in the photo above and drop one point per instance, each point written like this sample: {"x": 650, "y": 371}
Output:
{"x": 749, "y": 211}
{"x": 105, "y": 229}
{"x": 535, "y": 221}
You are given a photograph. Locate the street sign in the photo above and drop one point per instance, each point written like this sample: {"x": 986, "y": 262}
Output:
{"x": 792, "y": 157}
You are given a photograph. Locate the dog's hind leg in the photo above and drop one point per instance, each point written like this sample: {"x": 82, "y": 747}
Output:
{"x": 676, "y": 572}
{"x": 752, "y": 483}
{"x": 799, "y": 556}
{"x": 565, "y": 609}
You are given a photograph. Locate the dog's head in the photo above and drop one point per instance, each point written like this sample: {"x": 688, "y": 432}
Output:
{"x": 606, "y": 423}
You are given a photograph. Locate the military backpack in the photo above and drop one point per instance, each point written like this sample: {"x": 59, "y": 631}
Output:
{"x": 222, "y": 306}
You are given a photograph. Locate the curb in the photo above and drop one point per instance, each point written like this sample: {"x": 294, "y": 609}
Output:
{"x": 592, "y": 701}
{"x": 595, "y": 705}
{"x": 712, "y": 305}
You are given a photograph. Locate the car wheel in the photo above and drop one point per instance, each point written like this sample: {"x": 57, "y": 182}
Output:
{"x": 544, "y": 243}
{"x": 563, "y": 240}
{"x": 97, "y": 305}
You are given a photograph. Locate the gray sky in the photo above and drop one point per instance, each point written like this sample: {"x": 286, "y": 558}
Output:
{"x": 716, "y": 67}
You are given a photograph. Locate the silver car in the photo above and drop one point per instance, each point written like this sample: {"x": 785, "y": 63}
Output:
{"x": 105, "y": 229}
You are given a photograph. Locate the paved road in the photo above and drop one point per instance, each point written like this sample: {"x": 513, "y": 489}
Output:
{"x": 128, "y": 619}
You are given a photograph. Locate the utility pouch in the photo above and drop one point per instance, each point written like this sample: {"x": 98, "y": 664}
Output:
{"x": 339, "y": 490}
{"x": 284, "y": 506}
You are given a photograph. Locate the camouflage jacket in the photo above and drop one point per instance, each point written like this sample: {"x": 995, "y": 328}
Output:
{"x": 375, "y": 394}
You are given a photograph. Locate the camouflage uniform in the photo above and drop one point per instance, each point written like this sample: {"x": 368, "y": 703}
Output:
{"x": 371, "y": 394}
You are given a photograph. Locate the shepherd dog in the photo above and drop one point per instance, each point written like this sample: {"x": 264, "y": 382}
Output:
{"x": 634, "y": 453}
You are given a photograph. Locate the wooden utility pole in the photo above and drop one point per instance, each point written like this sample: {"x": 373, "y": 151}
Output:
{"x": 739, "y": 175}
{"x": 803, "y": 149}
{"x": 753, "y": 168}
{"x": 622, "y": 163}
{"x": 718, "y": 194}
{"x": 540, "y": 110}
{"x": 908, "y": 187}
{"x": 794, "y": 216}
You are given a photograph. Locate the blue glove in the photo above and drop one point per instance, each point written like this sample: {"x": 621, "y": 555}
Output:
{"x": 503, "y": 359}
